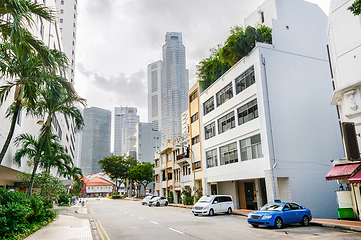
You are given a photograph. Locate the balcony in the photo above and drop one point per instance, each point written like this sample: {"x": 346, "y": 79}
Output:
{"x": 182, "y": 158}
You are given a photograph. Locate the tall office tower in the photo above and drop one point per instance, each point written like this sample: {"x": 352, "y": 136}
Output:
{"x": 174, "y": 84}
{"x": 154, "y": 100}
{"x": 147, "y": 142}
{"x": 125, "y": 120}
{"x": 95, "y": 139}
{"x": 67, "y": 12}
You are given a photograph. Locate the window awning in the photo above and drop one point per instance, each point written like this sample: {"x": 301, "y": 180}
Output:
{"x": 356, "y": 178}
{"x": 343, "y": 171}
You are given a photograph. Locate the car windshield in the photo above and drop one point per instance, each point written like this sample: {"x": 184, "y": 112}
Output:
{"x": 205, "y": 199}
{"x": 148, "y": 197}
{"x": 156, "y": 198}
{"x": 272, "y": 207}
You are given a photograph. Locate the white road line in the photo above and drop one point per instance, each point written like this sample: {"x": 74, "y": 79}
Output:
{"x": 125, "y": 212}
{"x": 132, "y": 215}
{"x": 120, "y": 210}
{"x": 154, "y": 222}
{"x": 141, "y": 218}
{"x": 176, "y": 230}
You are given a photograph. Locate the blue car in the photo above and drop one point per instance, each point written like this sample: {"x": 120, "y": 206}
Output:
{"x": 277, "y": 214}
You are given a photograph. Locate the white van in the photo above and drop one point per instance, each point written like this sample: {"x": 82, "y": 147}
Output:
{"x": 212, "y": 204}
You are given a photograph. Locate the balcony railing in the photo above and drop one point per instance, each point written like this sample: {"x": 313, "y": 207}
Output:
{"x": 182, "y": 158}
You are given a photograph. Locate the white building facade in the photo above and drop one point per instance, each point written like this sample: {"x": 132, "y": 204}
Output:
{"x": 147, "y": 142}
{"x": 125, "y": 121}
{"x": 154, "y": 92}
{"x": 268, "y": 131}
{"x": 344, "y": 45}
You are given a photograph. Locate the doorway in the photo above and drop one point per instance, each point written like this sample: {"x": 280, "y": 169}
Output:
{"x": 249, "y": 192}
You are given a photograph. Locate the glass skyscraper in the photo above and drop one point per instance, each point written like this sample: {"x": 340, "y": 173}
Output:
{"x": 172, "y": 89}
{"x": 95, "y": 139}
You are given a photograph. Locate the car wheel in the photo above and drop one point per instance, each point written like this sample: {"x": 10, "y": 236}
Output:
{"x": 166, "y": 204}
{"x": 254, "y": 225}
{"x": 195, "y": 214}
{"x": 211, "y": 212}
{"x": 229, "y": 211}
{"x": 278, "y": 223}
{"x": 305, "y": 221}
{"x": 149, "y": 205}
{"x": 158, "y": 204}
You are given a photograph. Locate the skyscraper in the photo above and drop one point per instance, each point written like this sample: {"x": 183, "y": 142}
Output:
{"x": 67, "y": 12}
{"x": 154, "y": 100}
{"x": 125, "y": 120}
{"x": 174, "y": 84}
{"x": 147, "y": 142}
{"x": 96, "y": 139}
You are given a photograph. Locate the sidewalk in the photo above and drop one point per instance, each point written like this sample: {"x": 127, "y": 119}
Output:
{"x": 71, "y": 223}
{"x": 331, "y": 223}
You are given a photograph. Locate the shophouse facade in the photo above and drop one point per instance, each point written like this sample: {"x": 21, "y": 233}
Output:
{"x": 344, "y": 45}
{"x": 268, "y": 128}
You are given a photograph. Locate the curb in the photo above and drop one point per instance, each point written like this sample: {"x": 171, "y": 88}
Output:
{"x": 335, "y": 226}
{"x": 94, "y": 230}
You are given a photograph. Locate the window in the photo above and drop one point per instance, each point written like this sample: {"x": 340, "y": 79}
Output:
{"x": 226, "y": 122}
{"x": 194, "y": 118}
{"x": 62, "y": 2}
{"x": 211, "y": 158}
{"x": 61, "y": 20}
{"x": 195, "y": 140}
{"x": 210, "y": 130}
{"x": 197, "y": 165}
{"x": 224, "y": 95}
{"x": 245, "y": 80}
{"x": 163, "y": 176}
{"x": 61, "y": 11}
{"x": 193, "y": 96}
{"x": 247, "y": 112}
{"x": 208, "y": 105}
{"x": 169, "y": 158}
{"x": 251, "y": 148}
{"x": 228, "y": 154}
{"x": 170, "y": 176}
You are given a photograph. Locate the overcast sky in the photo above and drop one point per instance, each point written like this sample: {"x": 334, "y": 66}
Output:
{"x": 117, "y": 39}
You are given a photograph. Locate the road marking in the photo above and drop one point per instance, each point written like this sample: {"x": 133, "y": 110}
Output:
{"x": 125, "y": 212}
{"x": 132, "y": 215}
{"x": 154, "y": 222}
{"x": 176, "y": 231}
{"x": 141, "y": 218}
{"x": 101, "y": 235}
{"x": 328, "y": 235}
{"x": 120, "y": 210}
{"x": 104, "y": 230}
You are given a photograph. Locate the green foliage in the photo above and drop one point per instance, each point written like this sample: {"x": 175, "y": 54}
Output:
{"x": 238, "y": 45}
{"x": 355, "y": 8}
{"x": 19, "y": 217}
{"x": 188, "y": 200}
{"x": 118, "y": 167}
{"x": 142, "y": 173}
{"x": 64, "y": 198}
{"x": 51, "y": 187}
{"x": 116, "y": 197}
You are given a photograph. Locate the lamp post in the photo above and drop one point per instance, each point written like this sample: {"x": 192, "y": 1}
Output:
{"x": 194, "y": 175}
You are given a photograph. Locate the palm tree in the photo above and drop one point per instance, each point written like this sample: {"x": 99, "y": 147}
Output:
{"x": 54, "y": 99}
{"x": 52, "y": 155}
{"x": 26, "y": 71}
{"x": 16, "y": 16}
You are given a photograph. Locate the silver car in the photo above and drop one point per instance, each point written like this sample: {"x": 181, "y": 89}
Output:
{"x": 157, "y": 201}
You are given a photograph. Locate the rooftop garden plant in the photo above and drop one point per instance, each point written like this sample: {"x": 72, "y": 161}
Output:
{"x": 239, "y": 44}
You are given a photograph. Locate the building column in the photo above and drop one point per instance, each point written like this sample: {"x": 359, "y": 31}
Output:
{"x": 258, "y": 192}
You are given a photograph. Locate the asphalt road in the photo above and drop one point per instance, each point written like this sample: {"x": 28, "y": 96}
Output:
{"x": 124, "y": 219}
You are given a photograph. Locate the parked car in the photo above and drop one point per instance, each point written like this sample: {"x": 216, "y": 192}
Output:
{"x": 157, "y": 201}
{"x": 213, "y": 204}
{"x": 277, "y": 214}
{"x": 146, "y": 199}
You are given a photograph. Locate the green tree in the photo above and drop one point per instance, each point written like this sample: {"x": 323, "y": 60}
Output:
{"x": 238, "y": 45}
{"x": 118, "y": 167}
{"x": 16, "y": 16}
{"x": 355, "y": 8}
{"x": 50, "y": 187}
{"x": 143, "y": 173}
{"x": 26, "y": 73}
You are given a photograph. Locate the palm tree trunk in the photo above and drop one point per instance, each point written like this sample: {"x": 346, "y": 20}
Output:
{"x": 11, "y": 132}
{"x": 36, "y": 162}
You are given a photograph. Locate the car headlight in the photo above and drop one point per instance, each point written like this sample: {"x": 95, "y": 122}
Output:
{"x": 249, "y": 215}
{"x": 266, "y": 217}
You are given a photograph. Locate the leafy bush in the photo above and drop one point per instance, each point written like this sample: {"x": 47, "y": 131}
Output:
{"x": 65, "y": 199}
{"x": 117, "y": 196}
{"x": 238, "y": 45}
{"x": 19, "y": 217}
